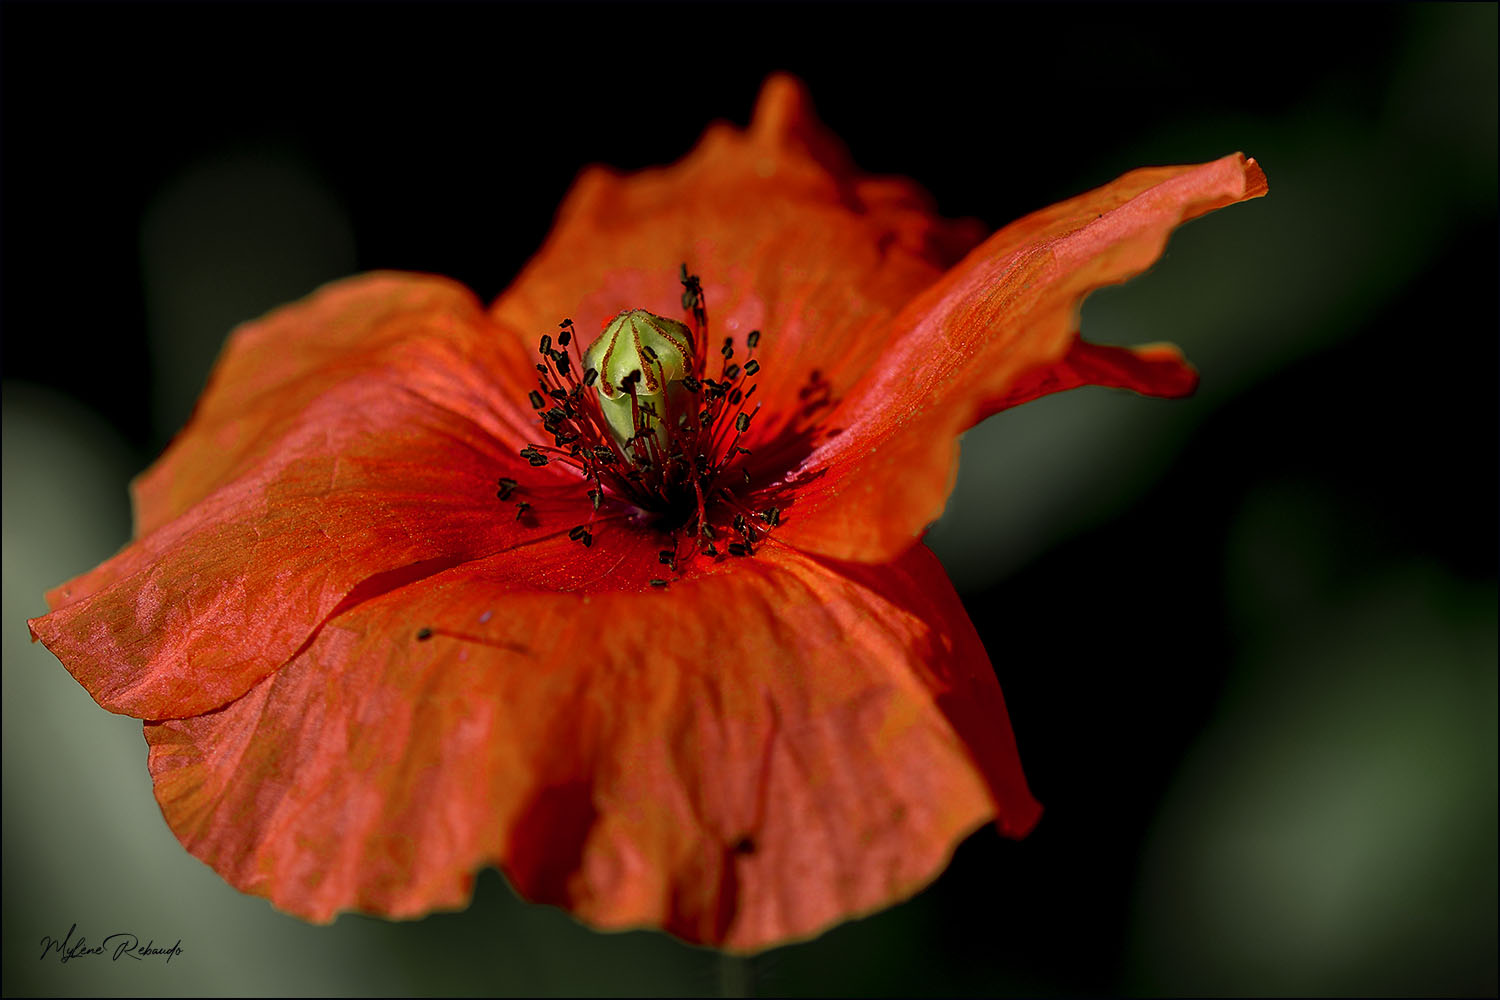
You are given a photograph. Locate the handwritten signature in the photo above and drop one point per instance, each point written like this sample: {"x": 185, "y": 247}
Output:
{"x": 116, "y": 946}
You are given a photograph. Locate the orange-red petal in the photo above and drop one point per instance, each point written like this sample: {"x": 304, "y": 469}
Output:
{"x": 998, "y": 328}
{"x": 741, "y": 758}
{"x": 787, "y": 236}
{"x": 375, "y": 482}
{"x": 430, "y": 330}
{"x": 1151, "y": 370}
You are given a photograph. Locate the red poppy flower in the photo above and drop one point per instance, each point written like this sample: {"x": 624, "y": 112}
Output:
{"x": 405, "y": 600}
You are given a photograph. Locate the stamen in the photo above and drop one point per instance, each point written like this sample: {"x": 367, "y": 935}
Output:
{"x": 426, "y": 633}
{"x": 655, "y": 433}
{"x": 692, "y": 300}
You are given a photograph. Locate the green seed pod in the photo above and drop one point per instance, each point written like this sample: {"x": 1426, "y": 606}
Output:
{"x": 652, "y": 353}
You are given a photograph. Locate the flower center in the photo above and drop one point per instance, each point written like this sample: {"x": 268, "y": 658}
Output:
{"x": 639, "y": 418}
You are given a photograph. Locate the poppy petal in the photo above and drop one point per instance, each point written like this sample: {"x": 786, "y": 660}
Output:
{"x": 273, "y": 367}
{"x": 1152, "y": 370}
{"x": 787, "y": 236}
{"x": 741, "y": 758}
{"x": 373, "y": 484}
{"x": 999, "y": 325}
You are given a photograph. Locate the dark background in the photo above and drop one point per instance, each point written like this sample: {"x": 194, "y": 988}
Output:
{"x": 1248, "y": 641}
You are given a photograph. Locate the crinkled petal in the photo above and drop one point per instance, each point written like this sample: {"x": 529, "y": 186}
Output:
{"x": 741, "y": 757}
{"x": 1151, "y": 370}
{"x": 430, "y": 330}
{"x": 373, "y": 484}
{"x": 1000, "y": 327}
{"x": 787, "y": 236}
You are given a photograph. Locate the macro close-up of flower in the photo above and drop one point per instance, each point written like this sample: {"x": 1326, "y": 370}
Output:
{"x": 866, "y": 500}
{"x": 634, "y": 607}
